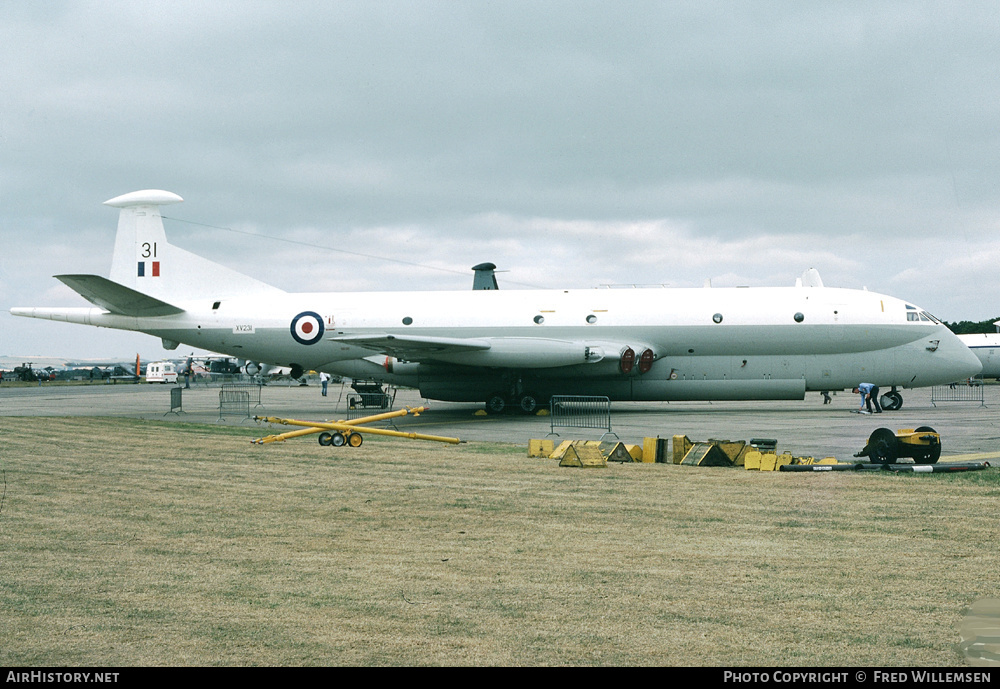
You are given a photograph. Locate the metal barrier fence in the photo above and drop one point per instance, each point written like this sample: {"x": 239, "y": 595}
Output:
{"x": 253, "y": 391}
{"x": 367, "y": 403}
{"x": 234, "y": 402}
{"x": 175, "y": 401}
{"x": 580, "y": 411}
{"x": 213, "y": 379}
{"x": 972, "y": 391}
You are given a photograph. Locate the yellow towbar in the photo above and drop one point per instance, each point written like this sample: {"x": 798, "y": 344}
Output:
{"x": 346, "y": 432}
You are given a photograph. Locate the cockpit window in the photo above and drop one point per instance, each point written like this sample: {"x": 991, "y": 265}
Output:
{"x": 920, "y": 316}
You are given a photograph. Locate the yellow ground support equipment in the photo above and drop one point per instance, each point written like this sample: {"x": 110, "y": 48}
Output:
{"x": 540, "y": 448}
{"x": 756, "y": 460}
{"x": 706, "y": 455}
{"x": 712, "y": 452}
{"x": 610, "y": 451}
{"x": 340, "y": 433}
{"x": 923, "y": 444}
{"x": 582, "y": 455}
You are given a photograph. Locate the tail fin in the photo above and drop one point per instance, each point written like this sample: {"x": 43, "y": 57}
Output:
{"x": 146, "y": 262}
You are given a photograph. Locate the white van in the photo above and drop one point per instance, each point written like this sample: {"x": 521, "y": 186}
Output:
{"x": 161, "y": 372}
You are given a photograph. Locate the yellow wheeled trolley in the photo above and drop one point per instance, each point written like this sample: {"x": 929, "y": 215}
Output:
{"x": 923, "y": 444}
{"x": 341, "y": 433}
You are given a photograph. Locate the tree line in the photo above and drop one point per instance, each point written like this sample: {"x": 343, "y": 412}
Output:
{"x": 972, "y": 327}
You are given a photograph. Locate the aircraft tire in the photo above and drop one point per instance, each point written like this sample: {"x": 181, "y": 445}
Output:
{"x": 891, "y": 401}
{"x": 325, "y": 439}
{"x": 929, "y": 455}
{"x": 882, "y": 447}
{"x": 496, "y": 404}
{"x": 529, "y": 403}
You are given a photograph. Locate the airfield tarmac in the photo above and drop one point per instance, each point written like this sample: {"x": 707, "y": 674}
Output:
{"x": 433, "y": 554}
{"x": 804, "y": 428}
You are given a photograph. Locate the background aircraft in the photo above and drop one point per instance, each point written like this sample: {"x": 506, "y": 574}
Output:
{"x": 519, "y": 347}
{"x": 986, "y": 347}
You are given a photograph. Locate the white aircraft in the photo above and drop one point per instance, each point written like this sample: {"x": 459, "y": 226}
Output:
{"x": 986, "y": 346}
{"x": 516, "y": 348}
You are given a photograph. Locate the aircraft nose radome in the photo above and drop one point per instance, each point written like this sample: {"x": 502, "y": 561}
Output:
{"x": 962, "y": 362}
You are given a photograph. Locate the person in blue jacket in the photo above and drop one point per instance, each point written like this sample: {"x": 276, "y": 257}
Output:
{"x": 869, "y": 394}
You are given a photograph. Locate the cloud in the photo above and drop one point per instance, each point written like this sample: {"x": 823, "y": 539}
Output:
{"x": 573, "y": 144}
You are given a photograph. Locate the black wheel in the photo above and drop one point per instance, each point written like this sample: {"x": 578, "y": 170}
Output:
{"x": 496, "y": 404}
{"x": 325, "y": 439}
{"x": 882, "y": 446}
{"x": 338, "y": 439}
{"x": 891, "y": 401}
{"x": 355, "y": 439}
{"x": 930, "y": 454}
{"x": 529, "y": 403}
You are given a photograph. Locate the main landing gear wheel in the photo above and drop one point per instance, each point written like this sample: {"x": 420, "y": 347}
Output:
{"x": 882, "y": 446}
{"x": 891, "y": 401}
{"x": 496, "y": 404}
{"x": 929, "y": 454}
{"x": 529, "y": 403}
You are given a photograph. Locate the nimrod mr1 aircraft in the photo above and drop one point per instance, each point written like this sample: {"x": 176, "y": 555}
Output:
{"x": 517, "y": 348}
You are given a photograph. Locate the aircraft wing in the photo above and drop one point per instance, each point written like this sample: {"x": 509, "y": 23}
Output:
{"x": 414, "y": 348}
{"x": 116, "y": 298}
{"x": 495, "y": 352}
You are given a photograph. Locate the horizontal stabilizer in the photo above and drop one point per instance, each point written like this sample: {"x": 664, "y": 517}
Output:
{"x": 117, "y": 299}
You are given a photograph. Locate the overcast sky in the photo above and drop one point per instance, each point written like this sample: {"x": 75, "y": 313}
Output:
{"x": 393, "y": 145}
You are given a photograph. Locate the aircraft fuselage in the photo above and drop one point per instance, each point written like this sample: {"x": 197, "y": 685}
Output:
{"x": 768, "y": 343}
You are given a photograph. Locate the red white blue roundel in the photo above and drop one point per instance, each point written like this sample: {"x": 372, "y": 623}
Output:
{"x": 307, "y": 328}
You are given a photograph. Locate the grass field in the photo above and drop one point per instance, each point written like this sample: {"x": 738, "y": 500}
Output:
{"x": 128, "y": 542}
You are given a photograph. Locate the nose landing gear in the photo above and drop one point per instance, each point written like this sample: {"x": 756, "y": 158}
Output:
{"x": 891, "y": 401}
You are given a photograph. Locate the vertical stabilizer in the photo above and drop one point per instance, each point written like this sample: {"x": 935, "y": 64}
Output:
{"x": 146, "y": 262}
